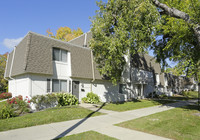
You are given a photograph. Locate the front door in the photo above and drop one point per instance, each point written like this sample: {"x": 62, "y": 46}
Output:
{"x": 75, "y": 88}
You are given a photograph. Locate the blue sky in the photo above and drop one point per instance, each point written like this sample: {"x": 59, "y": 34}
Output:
{"x": 18, "y": 17}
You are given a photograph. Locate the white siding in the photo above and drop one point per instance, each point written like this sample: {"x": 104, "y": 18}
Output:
{"x": 38, "y": 84}
{"x": 19, "y": 86}
{"x": 104, "y": 89}
{"x": 62, "y": 70}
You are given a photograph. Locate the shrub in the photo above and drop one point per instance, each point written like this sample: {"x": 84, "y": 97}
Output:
{"x": 65, "y": 99}
{"x": 5, "y": 95}
{"x": 153, "y": 94}
{"x": 45, "y": 101}
{"x": 163, "y": 96}
{"x": 91, "y": 98}
{"x": 19, "y": 105}
{"x": 7, "y": 111}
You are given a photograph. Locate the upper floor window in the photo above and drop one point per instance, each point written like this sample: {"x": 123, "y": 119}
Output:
{"x": 59, "y": 55}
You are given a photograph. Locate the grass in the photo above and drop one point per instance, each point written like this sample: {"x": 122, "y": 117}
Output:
{"x": 45, "y": 117}
{"x": 136, "y": 104}
{"x": 179, "y": 123}
{"x": 89, "y": 135}
{"x": 190, "y": 94}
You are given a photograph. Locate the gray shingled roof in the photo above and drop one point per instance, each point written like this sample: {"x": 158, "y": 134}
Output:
{"x": 82, "y": 40}
{"x": 34, "y": 55}
{"x": 147, "y": 63}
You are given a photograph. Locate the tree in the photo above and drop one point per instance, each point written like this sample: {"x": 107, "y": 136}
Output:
{"x": 120, "y": 28}
{"x": 131, "y": 26}
{"x": 3, "y": 82}
{"x": 65, "y": 33}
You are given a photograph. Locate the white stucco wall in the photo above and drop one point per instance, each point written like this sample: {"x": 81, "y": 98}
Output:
{"x": 141, "y": 77}
{"x": 19, "y": 85}
{"x": 105, "y": 90}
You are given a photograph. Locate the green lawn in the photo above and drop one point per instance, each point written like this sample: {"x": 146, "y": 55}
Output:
{"x": 89, "y": 135}
{"x": 179, "y": 123}
{"x": 190, "y": 94}
{"x": 136, "y": 104}
{"x": 45, "y": 117}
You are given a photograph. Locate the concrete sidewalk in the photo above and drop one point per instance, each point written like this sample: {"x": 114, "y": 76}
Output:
{"x": 102, "y": 124}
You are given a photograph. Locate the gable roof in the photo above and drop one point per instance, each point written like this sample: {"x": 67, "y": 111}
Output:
{"x": 147, "y": 63}
{"x": 82, "y": 40}
{"x": 34, "y": 55}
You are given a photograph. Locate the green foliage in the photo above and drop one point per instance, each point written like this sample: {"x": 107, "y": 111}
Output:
{"x": 121, "y": 28}
{"x": 177, "y": 38}
{"x": 7, "y": 111}
{"x": 3, "y": 82}
{"x": 65, "y": 99}
{"x": 19, "y": 105}
{"x": 45, "y": 101}
{"x": 153, "y": 95}
{"x": 91, "y": 98}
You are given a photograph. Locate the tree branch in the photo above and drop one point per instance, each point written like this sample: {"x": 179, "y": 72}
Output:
{"x": 173, "y": 12}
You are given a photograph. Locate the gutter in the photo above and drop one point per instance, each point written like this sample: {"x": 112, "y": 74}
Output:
{"x": 12, "y": 63}
{"x": 6, "y": 67}
{"x": 93, "y": 76}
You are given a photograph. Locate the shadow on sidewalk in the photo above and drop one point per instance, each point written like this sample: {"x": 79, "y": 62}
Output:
{"x": 77, "y": 124}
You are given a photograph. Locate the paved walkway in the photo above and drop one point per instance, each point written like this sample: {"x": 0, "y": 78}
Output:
{"x": 103, "y": 124}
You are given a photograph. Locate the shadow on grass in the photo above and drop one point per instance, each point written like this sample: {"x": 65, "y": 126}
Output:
{"x": 77, "y": 124}
{"x": 122, "y": 102}
{"x": 190, "y": 107}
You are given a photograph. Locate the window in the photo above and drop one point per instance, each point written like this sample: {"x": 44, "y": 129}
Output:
{"x": 70, "y": 84}
{"x": 48, "y": 85}
{"x": 55, "y": 85}
{"x": 63, "y": 86}
{"x": 59, "y": 55}
{"x": 122, "y": 88}
{"x": 59, "y": 85}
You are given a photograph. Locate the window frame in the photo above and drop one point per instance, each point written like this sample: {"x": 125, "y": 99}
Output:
{"x": 60, "y": 58}
{"x": 59, "y": 84}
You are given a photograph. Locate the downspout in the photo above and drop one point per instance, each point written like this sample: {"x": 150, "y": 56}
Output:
{"x": 93, "y": 76}
{"x": 12, "y": 63}
{"x": 6, "y": 68}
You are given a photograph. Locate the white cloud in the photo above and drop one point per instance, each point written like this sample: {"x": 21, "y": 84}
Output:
{"x": 11, "y": 43}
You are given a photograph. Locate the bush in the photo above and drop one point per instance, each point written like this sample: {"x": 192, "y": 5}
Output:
{"x": 154, "y": 95}
{"x": 91, "y": 98}
{"x": 163, "y": 96}
{"x": 45, "y": 101}
{"x": 19, "y": 105}
{"x": 65, "y": 99}
{"x": 7, "y": 111}
{"x": 5, "y": 95}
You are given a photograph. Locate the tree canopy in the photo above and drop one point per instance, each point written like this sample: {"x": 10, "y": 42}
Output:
{"x": 65, "y": 33}
{"x": 125, "y": 27}
{"x": 3, "y": 82}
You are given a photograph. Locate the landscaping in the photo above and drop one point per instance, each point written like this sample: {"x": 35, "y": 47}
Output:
{"x": 89, "y": 135}
{"x": 135, "y": 104}
{"x": 51, "y": 115}
{"x": 178, "y": 123}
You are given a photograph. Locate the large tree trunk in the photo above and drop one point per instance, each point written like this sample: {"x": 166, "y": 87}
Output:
{"x": 173, "y": 12}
